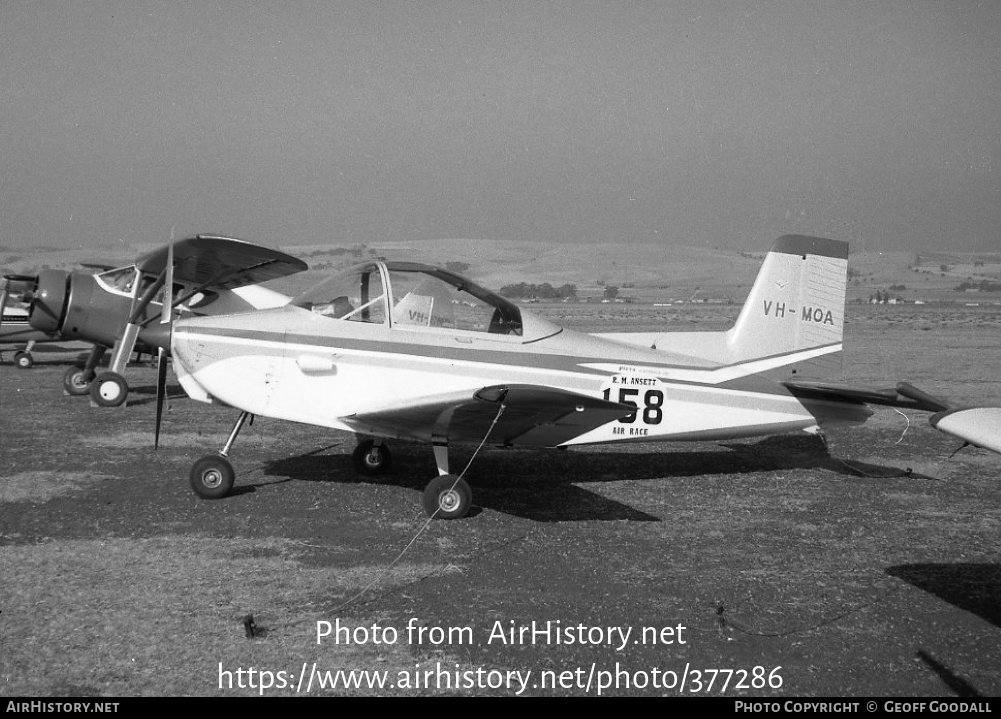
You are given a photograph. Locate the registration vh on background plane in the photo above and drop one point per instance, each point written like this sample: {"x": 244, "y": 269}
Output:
{"x": 403, "y": 350}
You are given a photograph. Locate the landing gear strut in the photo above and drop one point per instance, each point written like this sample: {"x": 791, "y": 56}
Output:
{"x": 446, "y": 496}
{"x": 212, "y": 476}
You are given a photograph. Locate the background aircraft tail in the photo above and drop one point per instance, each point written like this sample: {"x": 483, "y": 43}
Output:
{"x": 793, "y": 317}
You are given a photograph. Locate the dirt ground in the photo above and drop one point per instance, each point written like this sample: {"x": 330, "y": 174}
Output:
{"x": 780, "y": 566}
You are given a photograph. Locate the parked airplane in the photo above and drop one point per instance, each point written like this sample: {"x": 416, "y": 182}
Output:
{"x": 121, "y": 307}
{"x": 15, "y": 294}
{"x": 402, "y": 350}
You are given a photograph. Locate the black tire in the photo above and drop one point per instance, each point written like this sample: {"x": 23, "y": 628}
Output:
{"x": 447, "y": 497}
{"x": 371, "y": 459}
{"x": 109, "y": 389}
{"x": 212, "y": 477}
{"x": 24, "y": 360}
{"x": 74, "y": 383}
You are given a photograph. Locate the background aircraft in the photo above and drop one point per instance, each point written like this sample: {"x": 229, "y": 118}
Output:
{"x": 15, "y": 297}
{"x": 116, "y": 308}
{"x": 403, "y": 350}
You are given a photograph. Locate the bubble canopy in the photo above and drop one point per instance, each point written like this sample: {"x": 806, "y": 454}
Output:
{"x": 411, "y": 295}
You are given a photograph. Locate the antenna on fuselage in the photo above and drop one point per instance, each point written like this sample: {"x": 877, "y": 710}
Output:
{"x": 670, "y": 320}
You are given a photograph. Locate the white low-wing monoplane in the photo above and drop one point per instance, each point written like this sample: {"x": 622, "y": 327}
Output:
{"x": 402, "y": 350}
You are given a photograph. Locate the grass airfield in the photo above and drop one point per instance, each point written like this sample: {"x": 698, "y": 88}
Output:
{"x": 868, "y": 565}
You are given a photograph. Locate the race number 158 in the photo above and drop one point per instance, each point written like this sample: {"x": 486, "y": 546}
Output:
{"x": 653, "y": 402}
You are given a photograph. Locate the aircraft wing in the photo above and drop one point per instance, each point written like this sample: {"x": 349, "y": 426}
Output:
{"x": 221, "y": 262}
{"x": 979, "y": 426}
{"x": 533, "y": 415}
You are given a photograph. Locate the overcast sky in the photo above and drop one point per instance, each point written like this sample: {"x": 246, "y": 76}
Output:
{"x": 692, "y": 123}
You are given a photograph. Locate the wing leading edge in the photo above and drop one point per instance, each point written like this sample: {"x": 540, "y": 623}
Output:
{"x": 221, "y": 262}
{"x": 532, "y": 415}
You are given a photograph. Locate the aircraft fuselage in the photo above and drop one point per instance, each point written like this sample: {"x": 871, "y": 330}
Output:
{"x": 294, "y": 364}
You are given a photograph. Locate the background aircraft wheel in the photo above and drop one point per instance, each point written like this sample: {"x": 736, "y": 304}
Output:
{"x": 74, "y": 382}
{"x": 212, "y": 476}
{"x": 447, "y": 498}
{"x": 371, "y": 459}
{"x": 23, "y": 360}
{"x": 109, "y": 389}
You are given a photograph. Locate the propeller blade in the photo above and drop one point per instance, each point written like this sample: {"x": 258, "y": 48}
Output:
{"x": 166, "y": 318}
{"x": 166, "y": 311}
{"x": 161, "y": 392}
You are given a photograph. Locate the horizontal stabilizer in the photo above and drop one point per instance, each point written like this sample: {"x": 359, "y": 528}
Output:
{"x": 903, "y": 395}
{"x": 980, "y": 426}
{"x": 925, "y": 400}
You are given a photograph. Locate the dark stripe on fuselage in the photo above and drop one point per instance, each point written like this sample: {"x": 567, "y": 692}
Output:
{"x": 525, "y": 359}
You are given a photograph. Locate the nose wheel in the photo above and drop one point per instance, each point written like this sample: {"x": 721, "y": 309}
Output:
{"x": 212, "y": 476}
{"x": 24, "y": 360}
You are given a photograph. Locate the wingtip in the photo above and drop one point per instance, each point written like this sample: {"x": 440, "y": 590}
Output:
{"x": 979, "y": 426}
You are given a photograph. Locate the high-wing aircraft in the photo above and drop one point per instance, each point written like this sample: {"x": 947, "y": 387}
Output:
{"x": 401, "y": 350}
{"x": 118, "y": 308}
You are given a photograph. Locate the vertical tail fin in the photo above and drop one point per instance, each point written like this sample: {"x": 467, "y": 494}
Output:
{"x": 794, "y": 315}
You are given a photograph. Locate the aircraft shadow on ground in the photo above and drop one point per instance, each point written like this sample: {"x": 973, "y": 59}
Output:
{"x": 545, "y": 485}
{"x": 973, "y": 588}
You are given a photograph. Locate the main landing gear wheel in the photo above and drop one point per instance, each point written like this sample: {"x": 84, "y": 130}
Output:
{"x": 75, "y": 381}
{"x": 109, "y": 389}
{"x": 447, "y": 497}
{"x": 371, "y": 458}
{"x": 24, "y": 360}
{"x": 212, "y": 476}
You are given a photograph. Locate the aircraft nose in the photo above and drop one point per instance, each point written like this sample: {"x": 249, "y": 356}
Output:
{"x": 181, "y": 347}
{"x": 48, "y": 307}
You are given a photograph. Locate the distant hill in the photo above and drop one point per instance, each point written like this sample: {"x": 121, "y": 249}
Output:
{"x": 646, "y": 272}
